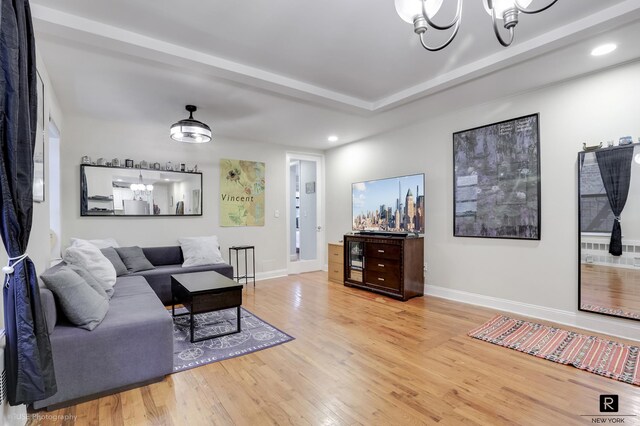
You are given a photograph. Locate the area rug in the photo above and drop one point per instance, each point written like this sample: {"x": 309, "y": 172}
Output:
{"x": 604, "y": 357}
{"x": 256, "y": 335}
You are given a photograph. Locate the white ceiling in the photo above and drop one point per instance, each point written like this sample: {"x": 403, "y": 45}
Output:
{"x": 293, "y": 72}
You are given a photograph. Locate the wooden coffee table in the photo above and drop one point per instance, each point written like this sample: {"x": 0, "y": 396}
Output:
{"x": 202, "y": 292}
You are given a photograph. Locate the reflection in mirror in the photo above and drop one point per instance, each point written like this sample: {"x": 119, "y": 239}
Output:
{"x": 609, "y": 209}
{"x": 113, "y": 191}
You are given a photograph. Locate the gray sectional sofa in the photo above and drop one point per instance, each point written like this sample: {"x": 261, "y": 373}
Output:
{"x": 134, "y": 343}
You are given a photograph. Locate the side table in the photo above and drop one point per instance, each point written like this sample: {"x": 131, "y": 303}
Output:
{"x": 246, "y": 275}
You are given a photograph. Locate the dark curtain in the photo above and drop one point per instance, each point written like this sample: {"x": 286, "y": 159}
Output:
{"x": 615, "y": 170}
{"x": 84, "y": 198}
{"x": 28, "y": 360}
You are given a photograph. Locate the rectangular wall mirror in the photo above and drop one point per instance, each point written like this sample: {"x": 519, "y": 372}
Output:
{"x": 609, "y": 192}
{"x": 114, "y": 191}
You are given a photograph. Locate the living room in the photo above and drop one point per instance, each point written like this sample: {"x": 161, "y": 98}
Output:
{"x": 116, "y": 78}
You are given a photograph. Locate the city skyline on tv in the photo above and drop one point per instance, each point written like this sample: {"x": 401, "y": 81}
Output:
{"x": 392, "y": 204}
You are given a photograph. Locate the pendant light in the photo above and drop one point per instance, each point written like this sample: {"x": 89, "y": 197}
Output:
{"x": 190, "y": 130}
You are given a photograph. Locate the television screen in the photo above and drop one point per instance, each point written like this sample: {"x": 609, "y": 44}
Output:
{"x": 389, "y": 205}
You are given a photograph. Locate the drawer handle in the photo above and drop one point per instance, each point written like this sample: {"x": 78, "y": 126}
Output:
{"x": 381, "y": 265}
{"x": 335, "y": 271}
{"x": 380, "y": 279}
{"x": 380, "y": 251}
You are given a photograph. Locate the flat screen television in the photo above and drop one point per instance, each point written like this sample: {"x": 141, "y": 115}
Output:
{"x": 394, "y": 205}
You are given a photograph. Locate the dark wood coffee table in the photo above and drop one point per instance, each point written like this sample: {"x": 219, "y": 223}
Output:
{"x": 202, "y": 292}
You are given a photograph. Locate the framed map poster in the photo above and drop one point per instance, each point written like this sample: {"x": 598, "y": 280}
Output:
{"x": 242, "y": 187}
{"x": 496, "y": 175}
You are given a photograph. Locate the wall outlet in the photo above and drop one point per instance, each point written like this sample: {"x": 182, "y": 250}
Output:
{"x": 425, "y": 267}
{"x": 276, "y": 213}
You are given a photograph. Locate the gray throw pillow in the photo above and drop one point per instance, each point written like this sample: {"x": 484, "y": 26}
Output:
{"x": 104, "y": 290}
{"x": 113, "y": 256}
{"x": 134, "y": 259}
{"x": 81, "y": 304}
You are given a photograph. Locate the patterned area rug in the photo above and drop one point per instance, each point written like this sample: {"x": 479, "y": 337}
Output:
{"x": 256, "y": 335}
{"x": 590, "y": 353}
{"x": 610, "y": 311}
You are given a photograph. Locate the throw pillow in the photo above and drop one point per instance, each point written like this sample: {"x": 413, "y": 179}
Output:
{"x": 113, "y": 256}
{"x": 199, "y": 251}
{"x": 104, "y": 243}
{"x": 134, "y": 259}
{"x": 82, "y": 305}
{"x": 88, "y": 256}
{"x": 103, "y": 290}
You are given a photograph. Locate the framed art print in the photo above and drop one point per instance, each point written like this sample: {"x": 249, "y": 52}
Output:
{"x": 496, "y": 175}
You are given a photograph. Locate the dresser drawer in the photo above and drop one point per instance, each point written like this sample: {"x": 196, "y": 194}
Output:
{"x": 391, "y": 266}
{"x": 336, "y": 272}
{"x": 335, "y": 254}
{"x": 383, "y": 279}
{"x": 383, "y": 251}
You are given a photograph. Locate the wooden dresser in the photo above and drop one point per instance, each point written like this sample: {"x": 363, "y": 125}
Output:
{"x": 335, "y": 262}
{"x": 388, "y": 265}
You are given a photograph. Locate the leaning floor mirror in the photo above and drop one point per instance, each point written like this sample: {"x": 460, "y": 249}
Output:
{"x": 609, "y": 237}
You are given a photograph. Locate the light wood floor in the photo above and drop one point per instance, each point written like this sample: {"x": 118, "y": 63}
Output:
{"x": 360, "y": 358}
{"x": 611, "y": 287}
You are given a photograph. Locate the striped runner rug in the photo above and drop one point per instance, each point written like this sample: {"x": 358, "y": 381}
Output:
{"x": 604, "y": 357}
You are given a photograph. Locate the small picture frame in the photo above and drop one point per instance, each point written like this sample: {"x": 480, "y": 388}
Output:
{"x": 128, "y": 163}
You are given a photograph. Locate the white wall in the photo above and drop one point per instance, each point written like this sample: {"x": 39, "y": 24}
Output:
{"x": 150, "y": 141}
{"x": 595, "y": 108}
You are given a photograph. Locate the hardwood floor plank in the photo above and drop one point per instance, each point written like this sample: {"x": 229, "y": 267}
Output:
{"x": 361, "y": 359}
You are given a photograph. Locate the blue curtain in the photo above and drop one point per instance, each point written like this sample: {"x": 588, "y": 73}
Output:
{"x": 615, "y": 170}
{"x": 28, "y": 359}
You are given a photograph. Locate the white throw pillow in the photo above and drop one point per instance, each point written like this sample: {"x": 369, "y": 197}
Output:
{"x": 104, "y": 243}
{"x": 83, "y": 253}
{"x": 199, "y": 251}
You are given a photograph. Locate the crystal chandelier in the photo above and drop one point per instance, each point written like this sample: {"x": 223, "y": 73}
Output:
{"x": 420, "y": 13}
{"x": 140, "y": 189}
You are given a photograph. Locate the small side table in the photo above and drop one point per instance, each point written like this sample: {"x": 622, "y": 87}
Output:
{"x": 246, "y": 275}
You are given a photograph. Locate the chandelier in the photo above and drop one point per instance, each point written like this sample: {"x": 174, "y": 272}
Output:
{"x": 190, "y": 130}
{"x": 140, "y": 189}
{"x": 420, "y": 13}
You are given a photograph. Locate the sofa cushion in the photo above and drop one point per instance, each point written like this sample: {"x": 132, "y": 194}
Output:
{"x": 159, "y": 279}
{"x": 104, "y": 243}
{"x": 49, "y": 309}
{"x": 81, "y": 304}
{"x": 199, "y": 251}
{"x": 103, "y": 290}
{"x": 113, "y": 256}
{"x": 134, "y": 259}
{"x": 158, "y": 256}
{"x": 91, "y": 258}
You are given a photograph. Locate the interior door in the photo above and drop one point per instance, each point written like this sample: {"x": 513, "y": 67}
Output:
{"x": 305, "y": 213}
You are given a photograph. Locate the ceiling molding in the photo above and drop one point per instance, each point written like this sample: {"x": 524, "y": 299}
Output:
{"x": 97, "y": 34}
{"x": 607, "y": 19}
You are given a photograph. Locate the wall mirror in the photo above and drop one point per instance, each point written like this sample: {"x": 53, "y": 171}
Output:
{"x": 114, "y": 191}
{"x": 609, "y": 237}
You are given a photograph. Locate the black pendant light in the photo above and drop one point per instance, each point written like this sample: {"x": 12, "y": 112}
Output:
{"x": 190, "y": 130}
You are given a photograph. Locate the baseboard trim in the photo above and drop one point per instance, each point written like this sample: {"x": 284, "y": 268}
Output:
{"x": 261, "y": 276}
{"x": 627, "y": 329}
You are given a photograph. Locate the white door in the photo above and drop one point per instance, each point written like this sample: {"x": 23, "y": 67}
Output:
{"x": 305, "y": 213}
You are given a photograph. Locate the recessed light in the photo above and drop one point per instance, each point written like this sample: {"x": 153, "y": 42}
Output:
{"x": 604, "y": 49}
{"x": 332, "y": 138}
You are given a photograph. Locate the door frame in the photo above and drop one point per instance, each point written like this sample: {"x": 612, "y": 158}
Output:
{"x": 301, "y": 266}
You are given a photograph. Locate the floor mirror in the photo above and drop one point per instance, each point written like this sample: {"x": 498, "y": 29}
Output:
{"x": 609, "y": 237}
